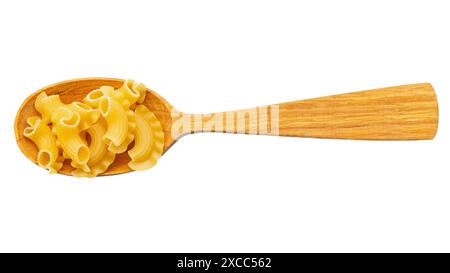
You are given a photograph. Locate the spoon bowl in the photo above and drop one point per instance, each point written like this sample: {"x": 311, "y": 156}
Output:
{"x": 75, "y": 90}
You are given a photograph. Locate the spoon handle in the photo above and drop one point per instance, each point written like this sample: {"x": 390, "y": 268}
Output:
{"x": 407, "y": 112}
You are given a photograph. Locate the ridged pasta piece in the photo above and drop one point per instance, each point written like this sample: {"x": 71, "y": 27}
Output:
{"x": 40, "y": 133}
{"x": 65, "y": 127}
{"x": 100, "y": 157}
{"x": 149, "y": 140}
{"x": 120, "y": 123}
{"x": 140, "y": 87}
{"x": 88, "y": 115}
{"x": 47, "y": 106}
{"x": 93, "y": 98}
{"x": 127, "y": 95}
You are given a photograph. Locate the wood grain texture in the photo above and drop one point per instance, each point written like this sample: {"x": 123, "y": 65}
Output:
{"x": 406, "y": 112}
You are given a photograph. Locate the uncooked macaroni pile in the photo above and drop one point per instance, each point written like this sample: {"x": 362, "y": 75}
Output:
{"x": 92, "y": 132}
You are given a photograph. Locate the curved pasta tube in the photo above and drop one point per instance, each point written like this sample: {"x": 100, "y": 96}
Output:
{"x": 93, "y": 98}
{"x": 149, "y": 140}
{"x": 88, "y": 115}
{"x": 65, "y": 127}
{"x": 127, "y": 95}
{"x": 100, "y": 157}
{"x": 40, "y": 133}
{"x": 140, "y": 87}
{"x": 120, "y": 124}
{"x": 47, "y": 106}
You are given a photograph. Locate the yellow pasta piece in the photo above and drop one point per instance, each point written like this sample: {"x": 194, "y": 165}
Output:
{"x": 47, "y": 106}
{"x": 120, "y": 123}
{"x": 93, "y": 98}
{"x": 65, "y": 127}
{"x": 118, "y": 137}
{"x": 100, "y": 157}
{"x": 40, "y": 133}
{"x": 140, "y": 87}
{"x": 88, "y": 115}
{"x": 127, "y": 95}
{"x": 149, "y": 140}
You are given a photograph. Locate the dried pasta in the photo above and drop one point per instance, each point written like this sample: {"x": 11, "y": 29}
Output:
{"x": 120, "y": 124}
{"x": 66, "y": 129}
{"x": 94, "y": 97}
{"x": 127, "y": 94}
{"x": 149, "y": 140}
{"x": 91, "y": 133}
{"x": 88, "y": 115}
{"x": 47, "y": 106}
{"x": 40, "y": 133}
{"x": 100, "y": 157}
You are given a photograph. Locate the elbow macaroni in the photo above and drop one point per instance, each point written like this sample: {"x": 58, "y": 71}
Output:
{"x": 40, "y": 133}
{"x": 100, "y": 157}
{"x": 68, "y": 137}
{"x": 92, "y": 132}
{"x": 149, "y": 140}
{"x": 120, "y": 125}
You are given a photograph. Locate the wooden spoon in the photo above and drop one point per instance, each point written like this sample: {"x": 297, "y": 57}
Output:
{"x": 407, "y": 112}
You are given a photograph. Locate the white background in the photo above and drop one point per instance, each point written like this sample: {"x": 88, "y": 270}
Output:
{"x": 226, "y": 193}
